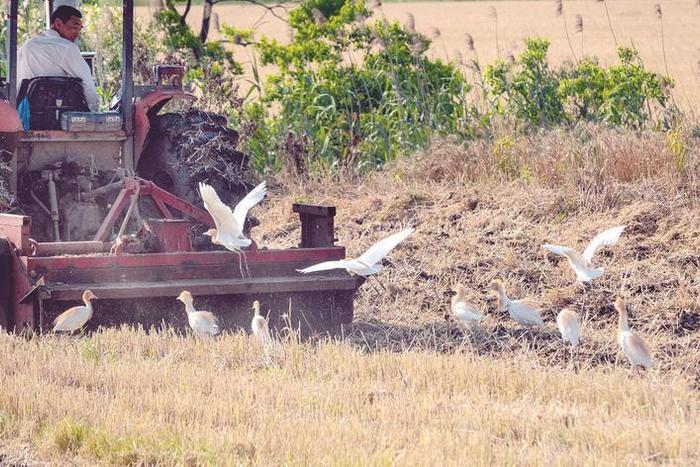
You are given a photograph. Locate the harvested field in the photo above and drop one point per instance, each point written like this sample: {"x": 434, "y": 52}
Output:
{"x": 409, "y": 385}
{"x": 471, "y": 230}
{"x": 125, "y": 397}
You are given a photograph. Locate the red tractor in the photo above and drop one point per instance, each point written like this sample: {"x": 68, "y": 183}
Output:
{"x": 107, "y": 205}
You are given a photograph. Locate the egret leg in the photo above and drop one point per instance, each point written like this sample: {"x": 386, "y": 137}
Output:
{"x": 372, "y": 285}
{"x": 240, "y": 262}
{"x": 378, "y": 282}
{"x": 245, "y": 260}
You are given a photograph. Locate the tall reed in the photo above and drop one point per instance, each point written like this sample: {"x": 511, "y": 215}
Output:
{"x": 560, "y": 12}
{"x": 607, "y": 14}
{"x": 493, "y": 14}
{"x": 579, "y": 29}
{"x": 660, "y": 16}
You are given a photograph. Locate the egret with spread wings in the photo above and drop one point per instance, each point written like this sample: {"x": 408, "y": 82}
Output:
{"x": 229, "y": 224}
{"x": 582, "y": 263}
{"x": 370, "y": 261}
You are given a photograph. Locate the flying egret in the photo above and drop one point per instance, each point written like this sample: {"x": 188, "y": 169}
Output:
{"x": 633, "y": 346}
{"x": 463, "y": 310}
{"x": 369, "y": 262}
{"x": 522, "y": 311}
{"x": 75, "y": 318}
{"x": 567, "y": 322}
{"x": 582, "y": 263}
{"x": 201, "y": 322}
{"x": 229, "y": 224}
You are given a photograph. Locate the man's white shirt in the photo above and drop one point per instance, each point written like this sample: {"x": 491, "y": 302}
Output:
{"x": 49, "y": 54}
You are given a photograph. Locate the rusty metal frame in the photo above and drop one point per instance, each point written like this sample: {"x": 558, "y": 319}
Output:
{"x": 162, "y": 199}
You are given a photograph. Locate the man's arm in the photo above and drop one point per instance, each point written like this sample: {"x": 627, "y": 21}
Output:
{"x": 75, "y": 65}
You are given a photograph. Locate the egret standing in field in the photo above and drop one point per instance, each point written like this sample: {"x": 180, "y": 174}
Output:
{"x": 261, "y": 332}
{"x": 568, "y": 324}
{"x": 259, "y": 325}
{"x": 370, "y": 261}
{"x": 464, "y": 311}
{"x": 229, "y": 224}
{"x": 201, "y": 322}
{"x": 633, "y": 346}
{"x": 521, "y": 311}
{"x": 75, "y": 318}
{"x": 582, "y": 263}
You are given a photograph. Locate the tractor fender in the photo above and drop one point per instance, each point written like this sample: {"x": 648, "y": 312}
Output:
{"x": 10, "y": 128}
{"x": 147, "y": 107}
{"x": 9, "y": 118}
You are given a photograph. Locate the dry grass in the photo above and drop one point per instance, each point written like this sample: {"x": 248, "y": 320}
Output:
{"x": 408, "y": 385}
{"x": 129, "y": 397}
{"x": 633, "y": 21}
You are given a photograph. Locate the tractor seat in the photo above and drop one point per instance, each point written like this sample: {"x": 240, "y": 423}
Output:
{"x": 48, "y": 97}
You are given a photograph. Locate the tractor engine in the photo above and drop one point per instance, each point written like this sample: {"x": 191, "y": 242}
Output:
{"x": 66, "y": 200}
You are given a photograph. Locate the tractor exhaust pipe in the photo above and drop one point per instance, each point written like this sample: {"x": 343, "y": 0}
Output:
{"x": 53, "y": 200}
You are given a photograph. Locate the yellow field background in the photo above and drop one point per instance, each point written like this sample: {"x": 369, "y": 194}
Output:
{"x": 634, "y": 22}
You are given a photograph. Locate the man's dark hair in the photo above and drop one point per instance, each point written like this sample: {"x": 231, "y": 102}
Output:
{"x": 65, "y": 12}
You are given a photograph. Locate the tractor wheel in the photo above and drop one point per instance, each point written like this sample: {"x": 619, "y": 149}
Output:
{"x": 186, "y": 148}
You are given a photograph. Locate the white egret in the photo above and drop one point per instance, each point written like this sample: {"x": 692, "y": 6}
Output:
{"x": 370, "y": 261}
{"x": 521, "y": 311}
{"x": 568, "y": 324}
{"x": 633, "y": 346}
{"x": 259, "y": 325}
{"x": 582, "y": 263}
{"x": 466, "y": 312}
{"x": 75, "y": 318}
{"x": 229, "y": 224}
{"x": 201, "y": 322}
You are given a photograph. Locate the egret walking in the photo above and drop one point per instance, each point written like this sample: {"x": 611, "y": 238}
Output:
{"x": 633, "y": 346}
{"x": 466, "y": 312}
{"x": 75, "y": 318}
{"x": 521, "y": 311}
{"x": 259, "y": 325}
{"x": 567, "y": 322}
{"x": 201, "y": 322}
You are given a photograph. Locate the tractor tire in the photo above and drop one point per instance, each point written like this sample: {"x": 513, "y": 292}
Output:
{"x": 184, "y": 149}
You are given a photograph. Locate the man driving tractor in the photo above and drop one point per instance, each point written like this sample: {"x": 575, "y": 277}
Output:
{"x": 54, "y": 52}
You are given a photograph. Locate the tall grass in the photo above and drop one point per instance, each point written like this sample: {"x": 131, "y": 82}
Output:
{"x": 607, "y": 15}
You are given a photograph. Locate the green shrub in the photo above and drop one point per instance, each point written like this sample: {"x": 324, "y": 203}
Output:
{"x": 527, "y": 87}
{"x": 621, "y": 95}
{"x": 352, "y": 94}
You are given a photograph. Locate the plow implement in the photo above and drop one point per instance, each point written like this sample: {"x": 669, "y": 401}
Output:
{"x": 41, "y": 279}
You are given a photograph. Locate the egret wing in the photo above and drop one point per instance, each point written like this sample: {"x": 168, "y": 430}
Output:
{"x": 463, "y": 309}
{"x": 605, "y": 238}
{"x": 240, "y": 212}
{"x": 637, "y": 350}
{"x": 71, "y": 319}
{"x": 567, "y": 322}
{"x": 222, "y": 214}
{"x": 527, "y": 313}
{"x": 379, "y": 250}
{"x": 325, "y": 266}
{"x": 206, "y": 322}
{"x": 576, "y": 259}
